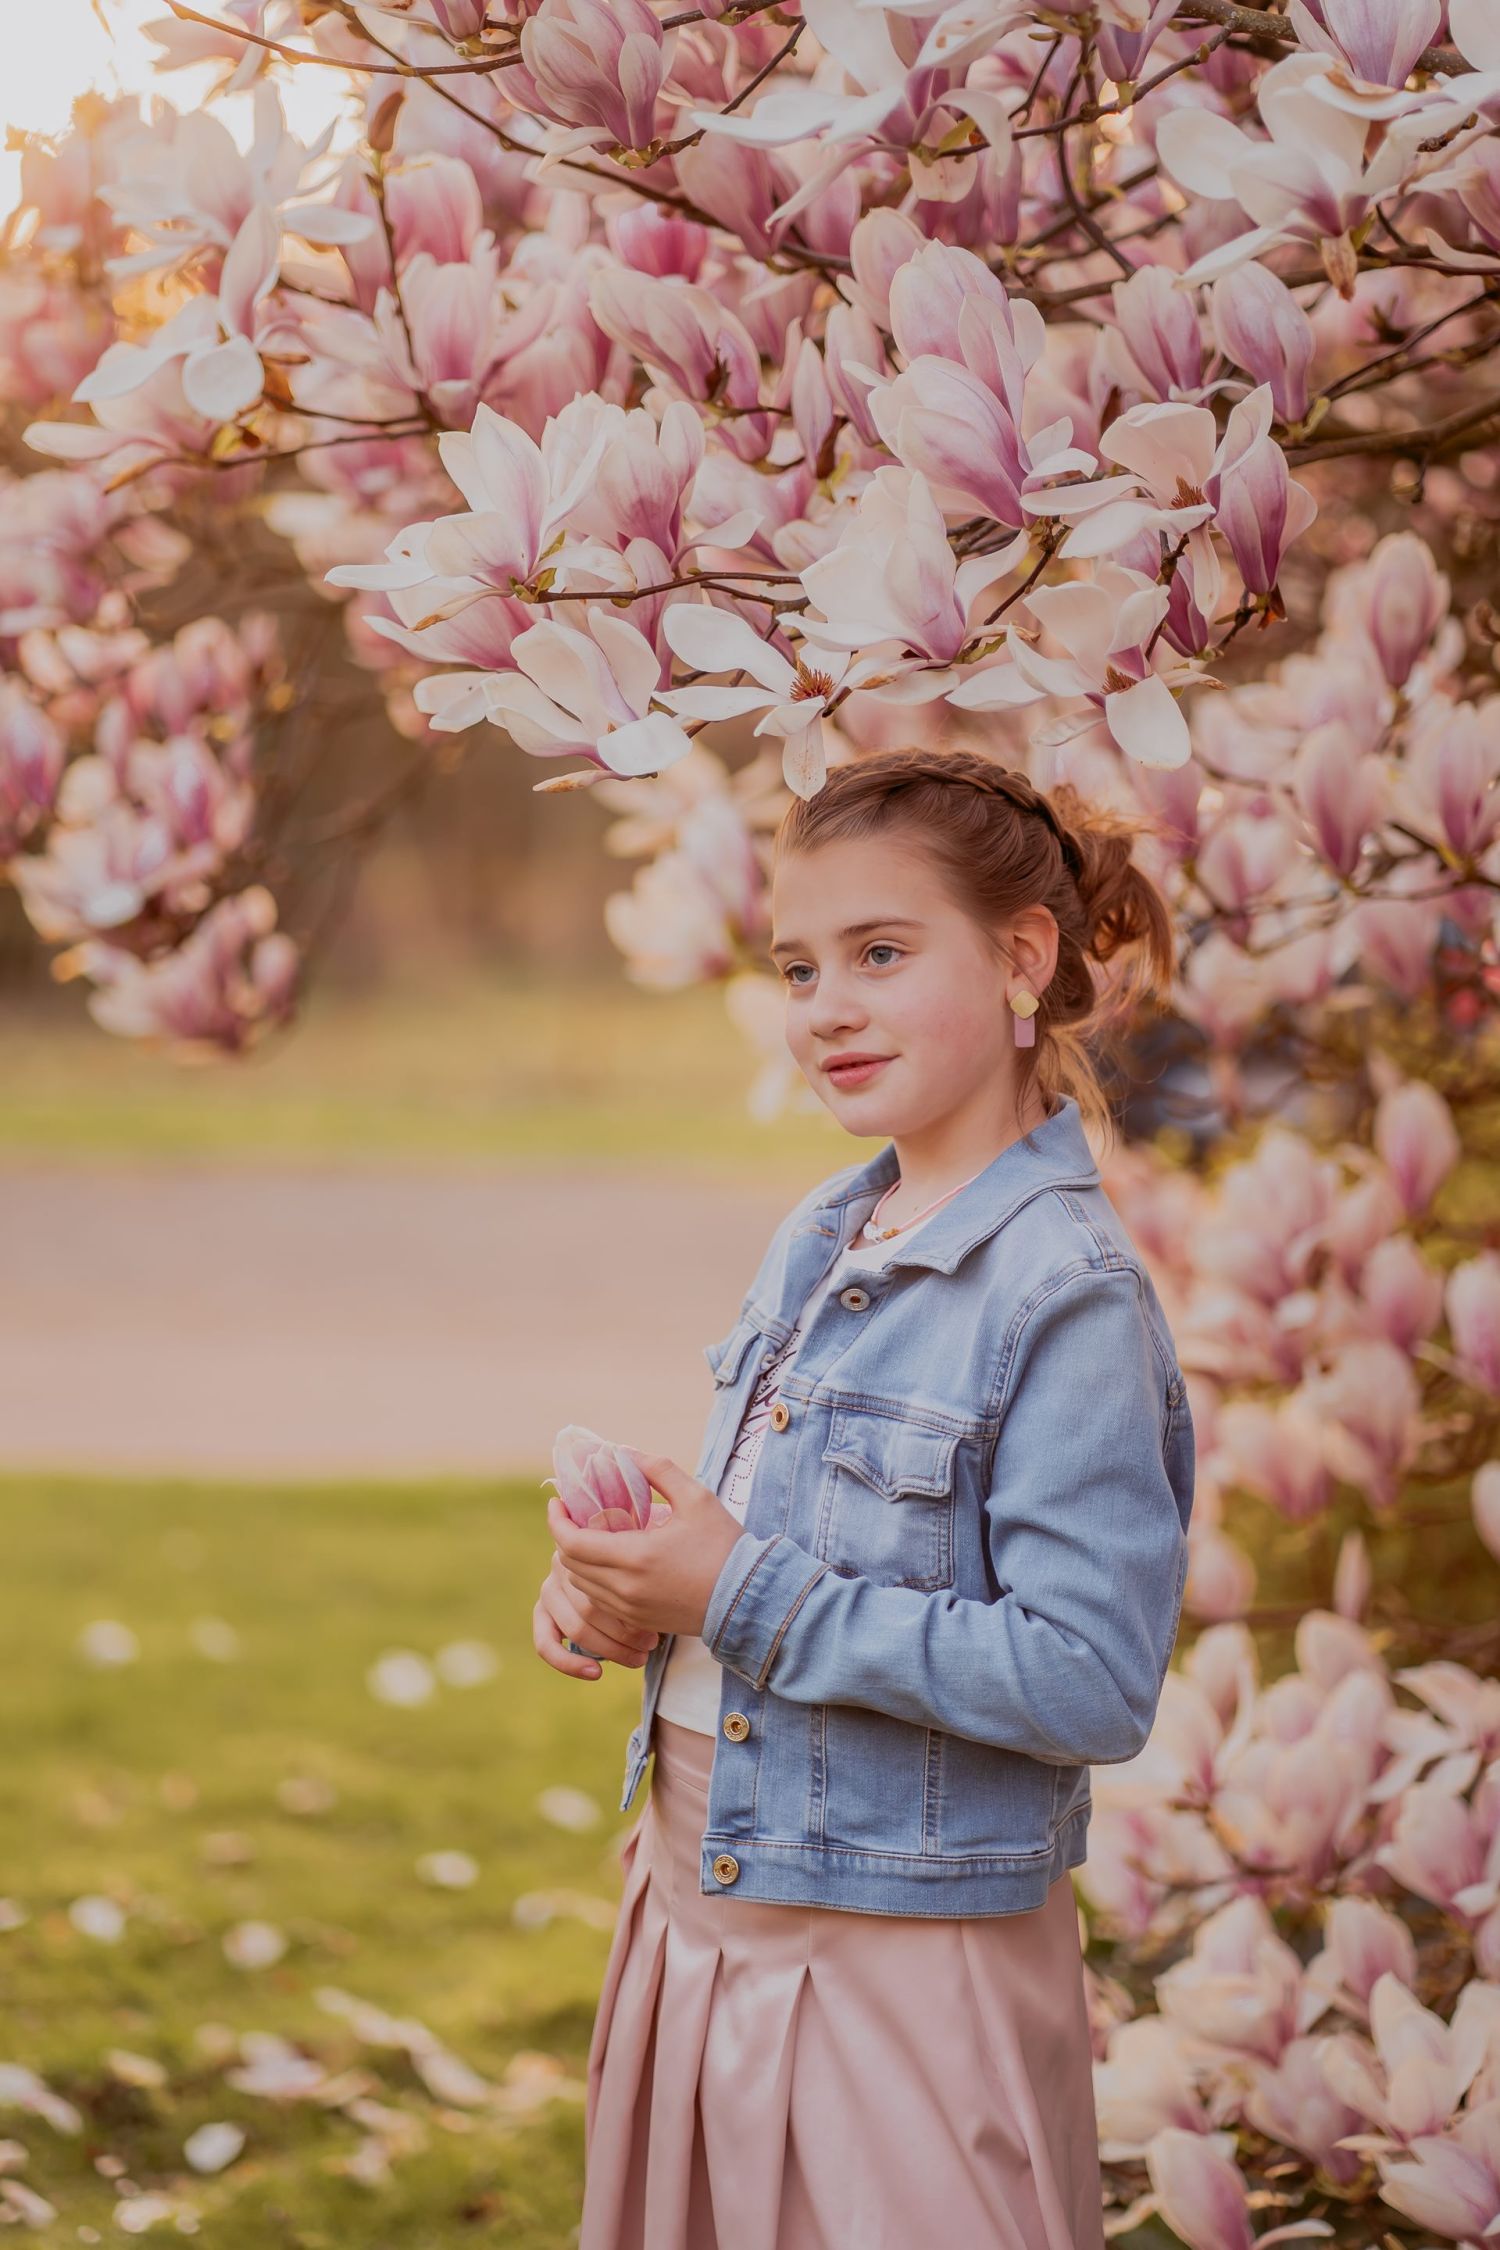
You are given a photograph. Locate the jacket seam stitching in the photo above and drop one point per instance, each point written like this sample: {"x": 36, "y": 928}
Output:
{"x": 740, "y": 1595}
{"x": 1040, "y": 1296}
{"x": 781, "y": 1628}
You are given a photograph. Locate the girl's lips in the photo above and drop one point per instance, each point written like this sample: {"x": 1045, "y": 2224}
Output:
{"x": 855, "y": 1074}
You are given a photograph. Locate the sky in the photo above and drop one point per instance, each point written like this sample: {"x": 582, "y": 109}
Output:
{"x": 56, "y": 49}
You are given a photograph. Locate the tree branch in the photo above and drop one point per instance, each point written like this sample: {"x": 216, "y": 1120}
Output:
{"x": 1259, "y": 23}
{"x": 1407, "y": 443}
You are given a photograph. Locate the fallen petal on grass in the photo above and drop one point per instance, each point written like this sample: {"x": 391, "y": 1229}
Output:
{"x": 254, "y": 1945}
{"x": 22, "y": 2206}
{"x": 213, "y": 2146}
{"x": 566, "y": 1807}
{"x": 306, "y": 1794}
{"x": 214, "y": 1638}
{"x": 95, "y": 1916}
{"x": 450, "y": 1871}
{"x": 533, "y": 1910}
{"x": 464, "y": 1664}
{"x": 106, "y": 1641}
{"x": 402, "y": 1678}
{"x": 134, "y": 2070}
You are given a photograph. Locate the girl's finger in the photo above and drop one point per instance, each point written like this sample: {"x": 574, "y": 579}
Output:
{"x": 565, "y": 1607}
{"x": 597, "y": 1634}
{"x": 547, "y": 1641}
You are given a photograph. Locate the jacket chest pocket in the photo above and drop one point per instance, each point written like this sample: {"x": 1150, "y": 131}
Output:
{"x": 887, "y": 1503}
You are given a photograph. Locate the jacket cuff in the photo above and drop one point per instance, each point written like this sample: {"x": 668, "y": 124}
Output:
{"x": 758, "y": 1592}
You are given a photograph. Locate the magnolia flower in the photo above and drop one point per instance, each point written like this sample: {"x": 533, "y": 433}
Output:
{"x": 227, "y": 983}
{"x": 1103, "y": 627}
{"x": 891, "y": 583}
{"x": 599, "y": 67}
{"x": 1380, "y": 40}
{"x": 583, "y": 689}
{"x": 601, "y": 1483}
{"x": 187, "y": 187}
{"x": 214, "y": 337}
{"x": 1308, "y": 181}
{"x": 31, "y": 764}
{"x": 1259, "y": 325}
{"x": 792, "y": 695}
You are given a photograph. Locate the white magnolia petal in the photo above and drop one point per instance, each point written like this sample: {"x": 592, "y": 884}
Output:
{"x": 713, "y": 702}
{"x": 1147, "y": 722}
{"x": 993, "y": 687}
{"x": 720, "y": 640}
{"x": 646, "y": 745}
{"x": 327, "y": 223}
{"x": 223, "y": 380}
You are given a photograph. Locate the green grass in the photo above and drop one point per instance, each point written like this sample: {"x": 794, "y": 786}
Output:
{"x": 439, "y": 1070}
{"x": 155, "y": 1783}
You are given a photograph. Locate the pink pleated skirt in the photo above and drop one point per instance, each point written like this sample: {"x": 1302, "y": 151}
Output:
{"x": 767, "y": 2077}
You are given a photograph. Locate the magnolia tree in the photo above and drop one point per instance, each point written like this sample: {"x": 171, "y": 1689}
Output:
{"x": 1107, "y": 382}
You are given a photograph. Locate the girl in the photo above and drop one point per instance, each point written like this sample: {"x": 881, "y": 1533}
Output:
{"x": 928, "y": 1571}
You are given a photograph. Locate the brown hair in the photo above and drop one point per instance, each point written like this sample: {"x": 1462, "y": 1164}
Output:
{"x": 1001, "y": 843}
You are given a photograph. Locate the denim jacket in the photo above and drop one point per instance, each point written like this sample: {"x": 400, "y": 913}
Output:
{"x": 961, "y": 1572}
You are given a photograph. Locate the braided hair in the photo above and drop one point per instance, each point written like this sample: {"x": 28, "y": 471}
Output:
{"x": 1002, "y": 844}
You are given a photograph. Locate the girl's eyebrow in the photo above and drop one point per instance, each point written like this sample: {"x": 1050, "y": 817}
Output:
{"x": 854, "y": 929}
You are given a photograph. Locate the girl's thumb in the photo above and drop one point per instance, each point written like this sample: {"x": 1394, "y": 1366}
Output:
{"x": 666, "y": 1476}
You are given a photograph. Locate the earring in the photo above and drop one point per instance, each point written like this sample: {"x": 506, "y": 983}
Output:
{"x": 1025, "y": 1005}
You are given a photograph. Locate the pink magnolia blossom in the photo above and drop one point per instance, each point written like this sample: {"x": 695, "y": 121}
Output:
{"x": 229, "y": 981}
{"x": 1343, "y": 793}
{"x": 1472, "y": 1300}
{"x": 1449, "y": 784}
{"x": 1380, "y": 40}
{"x": 1417, "y": 1141}
{"x": 1259, "y": 326}
{"x": 600, "y": 1483}
{"x": 881, "y": 69}
{"x": 1156, "y": 344}
{"x": 31, "y": 763}
{"x": 584, "y": 688}
{"x": 444, "y": 341}
{"x": 1202, "y": 2194}
{"x": 1258, "y": 506}
{"x": 791, "y": 692}
{"x": 1397, "y": 600}
{"x": 688, "y": 909}
{"x": 891, "y": 583}
{"x": 1309, "y": 181}
{"x": 699, "y": 348}
{"x": 1484, "y": 1499}
{"x": 1102, "y": 627}
{"x": 187, "y": 187}
{"x": 599, "y": 67}
{"x": 213, "y": 337}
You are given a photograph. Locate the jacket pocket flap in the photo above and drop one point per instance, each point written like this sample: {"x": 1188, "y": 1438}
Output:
{"x": 895, "y": 1457}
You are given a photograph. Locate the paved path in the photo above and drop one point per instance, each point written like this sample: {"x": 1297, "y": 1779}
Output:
{"x": 282, "y": 1322}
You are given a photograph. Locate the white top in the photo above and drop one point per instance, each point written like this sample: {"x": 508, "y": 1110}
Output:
{"x": 692, "y": 1678}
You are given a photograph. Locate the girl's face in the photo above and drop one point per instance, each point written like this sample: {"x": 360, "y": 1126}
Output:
{"x": 878, "y": 961}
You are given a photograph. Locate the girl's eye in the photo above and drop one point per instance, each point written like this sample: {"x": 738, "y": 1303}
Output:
{"x": 878, "y": 945}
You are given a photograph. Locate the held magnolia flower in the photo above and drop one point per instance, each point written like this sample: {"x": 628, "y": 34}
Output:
{"x": 600, "y": 1483}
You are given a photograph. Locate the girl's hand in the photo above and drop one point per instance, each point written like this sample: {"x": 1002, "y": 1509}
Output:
{"x": 657, "y": 1580}
{"x": 557, "y": 1615}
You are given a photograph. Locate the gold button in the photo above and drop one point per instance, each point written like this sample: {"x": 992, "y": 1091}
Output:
{"x": 726, "y": 1868}
{"x": 781, "y": 1414}
{"x": 736, "y": 1725}
{"x": 855, "y": 1298}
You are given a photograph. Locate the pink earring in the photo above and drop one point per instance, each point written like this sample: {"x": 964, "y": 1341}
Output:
{"x": 1025, "y": 1005}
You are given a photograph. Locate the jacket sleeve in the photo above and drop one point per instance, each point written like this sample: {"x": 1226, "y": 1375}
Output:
{"x": 1086, "y": 1523}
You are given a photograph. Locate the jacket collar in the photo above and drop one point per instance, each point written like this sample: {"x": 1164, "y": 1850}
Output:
{"x": 1059, "y": 1156}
